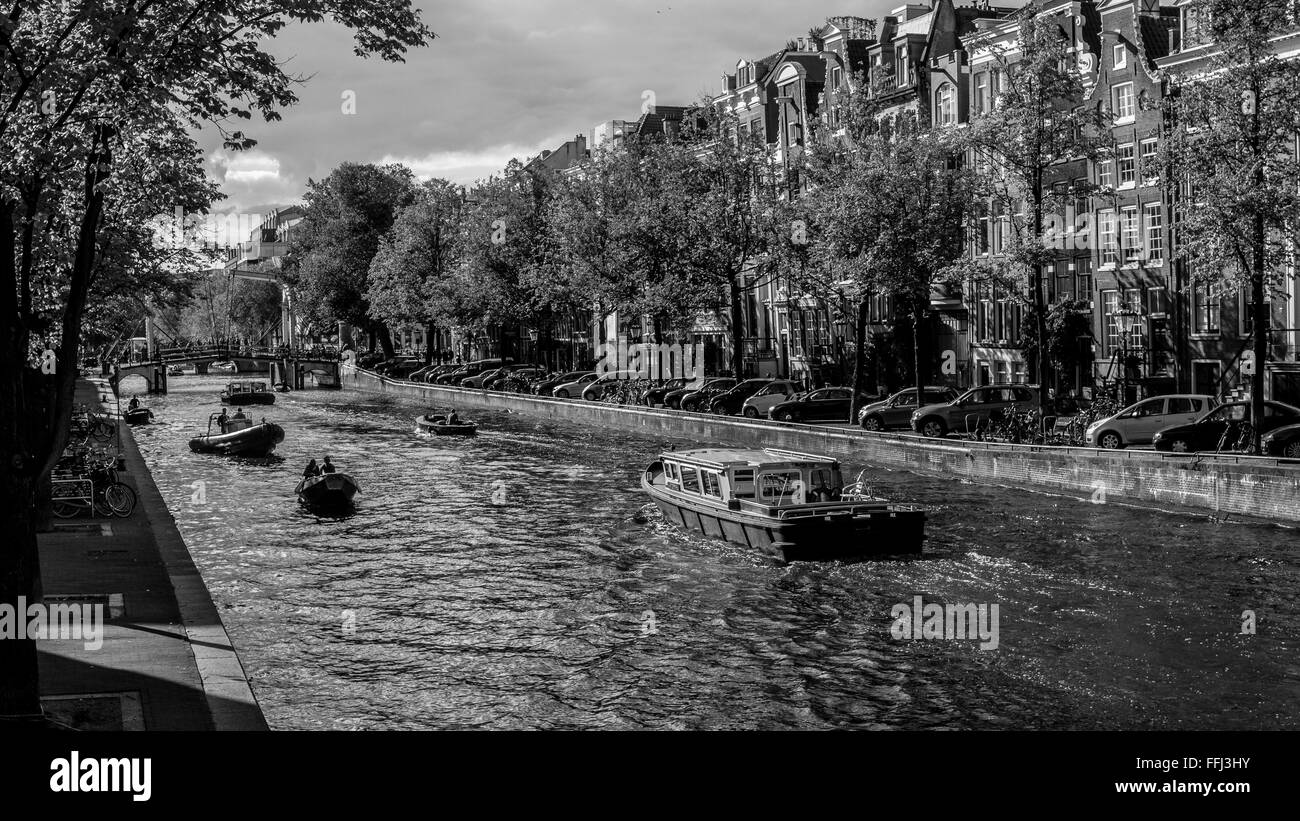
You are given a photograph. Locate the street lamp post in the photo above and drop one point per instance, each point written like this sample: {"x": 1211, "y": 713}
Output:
{"x": 1126, "y": 320}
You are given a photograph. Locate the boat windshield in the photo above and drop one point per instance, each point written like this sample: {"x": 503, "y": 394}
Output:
{"x": 781, "y": 488}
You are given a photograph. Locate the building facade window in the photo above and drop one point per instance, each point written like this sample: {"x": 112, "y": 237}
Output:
{"x": 946, "y": 104}
{"x": 1106, "y": 173}
{"x": 1119, "y": 54}
{"x": 981, "y": 103}
{"x": 1083, "y": 278}
{"x": 1126, "y": 160}
{"x": 1150, "y": 172}
{"x": 1129, "y": 241}
{"x": 1107, "y": 237}
{"x": 1122, "y": 104}
{"x": 1153, "y": 220}
{"x": 1206, "y": 309}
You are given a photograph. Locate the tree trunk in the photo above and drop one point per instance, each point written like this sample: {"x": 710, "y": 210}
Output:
{"x": 1262, "y": 322}
{"x": 1040, "y": 309}
{"x": 737, "y": 330}
{"x": 385, "y": 340}
{"x": 921, "y": 375}
{"x": 859, "y": 360}
{"x": 430, "y": 334}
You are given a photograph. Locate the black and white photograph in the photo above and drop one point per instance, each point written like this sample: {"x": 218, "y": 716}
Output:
{"x": 489, "y": 372}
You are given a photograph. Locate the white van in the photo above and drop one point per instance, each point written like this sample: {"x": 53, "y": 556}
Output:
{"x": 1137, "y": 424}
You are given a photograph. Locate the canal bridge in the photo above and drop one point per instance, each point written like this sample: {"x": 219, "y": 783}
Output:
{"x": 282, "y": 364}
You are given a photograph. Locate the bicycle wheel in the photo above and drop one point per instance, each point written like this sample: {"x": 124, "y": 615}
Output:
{"x": 120, "y": 499}
{"x": 65, "y": 509}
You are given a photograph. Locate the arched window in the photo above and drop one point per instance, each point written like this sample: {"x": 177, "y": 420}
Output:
{"x": 946, "y": 104}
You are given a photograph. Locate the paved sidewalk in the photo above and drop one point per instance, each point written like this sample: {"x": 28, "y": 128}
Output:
{"x": 166, "y": 662}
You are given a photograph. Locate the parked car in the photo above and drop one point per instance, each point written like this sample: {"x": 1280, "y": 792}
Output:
{"x": 526, "y": 372}
{"x": 731, "y": 401}
{"x": 427, "y": 373}
{"x": 479, "y": 380}
{"x": 975, "y": 407}
{"x": 673, "y": 399}
{"x": 774, "y": 393}
{"x": 656, "y": 395}
{"x": 398, "y": 366}
{"x": 1138, "y": 423}
{"x": 896, "y": 411}
{"x": 595, "y": 389}
{"x": 1222, "y": 424}
{"x": 821, "y": 405}
{"x": 694, "y": 400}
{"x": 567, "y": 389}
{"x": 469, "y": 369}
{"x": 547, "y": 386}
{"x": 1283, "y": 442}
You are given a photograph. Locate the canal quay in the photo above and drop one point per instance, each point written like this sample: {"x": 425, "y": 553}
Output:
{"x": 521, "y": 579}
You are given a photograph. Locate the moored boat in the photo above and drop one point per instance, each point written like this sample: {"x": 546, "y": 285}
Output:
{"x": 224, "y": 367}
{"x": 138, "y": 416}
{"x": 247, "y": 393}
{"x": 175, "y": 370}
{"x": 791, "y": 506}
{"x": 238, "y": 437}
{"x": 438, "y": 425}
{"x": 327, "y": 490}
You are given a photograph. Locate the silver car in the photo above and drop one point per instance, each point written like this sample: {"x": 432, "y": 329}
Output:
{"x": 1138, "y": 423}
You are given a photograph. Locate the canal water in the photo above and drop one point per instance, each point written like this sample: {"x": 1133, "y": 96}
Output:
{"x": 519, "y": 579}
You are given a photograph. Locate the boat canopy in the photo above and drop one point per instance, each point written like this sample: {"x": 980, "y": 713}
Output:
{"x": 246, "y": 387}
{"x": 771, "y": 477}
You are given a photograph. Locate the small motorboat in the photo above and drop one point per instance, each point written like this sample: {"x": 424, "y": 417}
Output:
{"x": 224, "y": 367}
{"x": 175, "y": 370}
{"x": 138, "y": 416}
{"x": 247, "y": 393}
{"x": 439, "y": 426}
{"x": 239, "y": 436}
{"x": 791, "y": 506}
{"x": 281, "y": 387}
{"x": 327, "y": 490}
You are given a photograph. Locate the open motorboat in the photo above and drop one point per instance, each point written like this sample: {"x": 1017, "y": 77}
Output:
{"x": 224, "y": 367}
{"x": 138, "y": 416}
{"x": 238, "y": 436}
{"x": 439, "y": 425}
{"x": 791, "y": 506}
{"x": 247, "y": 393}
{"x": 327, "y": 490}
{"x": 175, "y": 370}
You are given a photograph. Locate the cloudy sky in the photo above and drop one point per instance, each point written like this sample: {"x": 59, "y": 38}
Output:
{"x": 504, "y": 78}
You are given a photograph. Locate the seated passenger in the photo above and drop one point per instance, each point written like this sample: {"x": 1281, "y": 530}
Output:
{"x": 328, "y": 467}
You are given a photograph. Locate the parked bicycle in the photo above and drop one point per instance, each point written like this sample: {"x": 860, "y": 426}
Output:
{"x": 90, "y": 485}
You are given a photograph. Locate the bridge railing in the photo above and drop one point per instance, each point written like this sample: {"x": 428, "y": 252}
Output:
{"x": 224, "y": 351}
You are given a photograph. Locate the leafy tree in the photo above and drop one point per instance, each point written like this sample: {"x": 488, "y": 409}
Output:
{"x": 413, "y": 269}
{"x": 330, "y": 253}
{"x": 97, "y": 100}
{"x": 1033, "y": 128}
{"x": 886, "y": 213}
{"x": 1230, "y": 156}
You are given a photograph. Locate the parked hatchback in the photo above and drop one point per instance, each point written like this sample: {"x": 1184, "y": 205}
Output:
{"x": 769, "y": 396}
{"x": 821, "y": 405}
{"x": 565, "y": 390}
{"x": 1222, "y": 427}
{"x": 1283, "y": 442}
{"x": 974, "y": 408}
{"x": 733, "y": 400}
{"x": 896, "y": 411}
{"x": 1138, "y": 423}
{"x": 697, "y": 399}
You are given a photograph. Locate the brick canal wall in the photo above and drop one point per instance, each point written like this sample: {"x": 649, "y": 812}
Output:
{"x": 1264, "y": 487}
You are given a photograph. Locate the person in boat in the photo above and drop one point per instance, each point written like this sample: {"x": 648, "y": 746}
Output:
{"x": 135, "y": 403}
{"x": 328, "y": 467}
{"x": 453, "y": 418}
{"x": 222, "y": 420}
{"x": 312, "y": 470}
{"x": 239, "y": 414}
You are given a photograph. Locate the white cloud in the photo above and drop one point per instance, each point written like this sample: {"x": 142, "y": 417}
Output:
{"x": 465, "y": 167}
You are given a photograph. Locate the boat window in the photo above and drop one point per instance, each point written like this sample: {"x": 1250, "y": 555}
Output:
{"x": 712, "y": 483}
{"x": 671, "y": 474}
{"x": 690, "y": 480}
{"x": 742, "y": 484}
{"x": 783, "y": 488}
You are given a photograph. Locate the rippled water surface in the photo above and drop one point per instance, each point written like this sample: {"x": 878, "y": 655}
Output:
{"x": 507, "y": 581}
